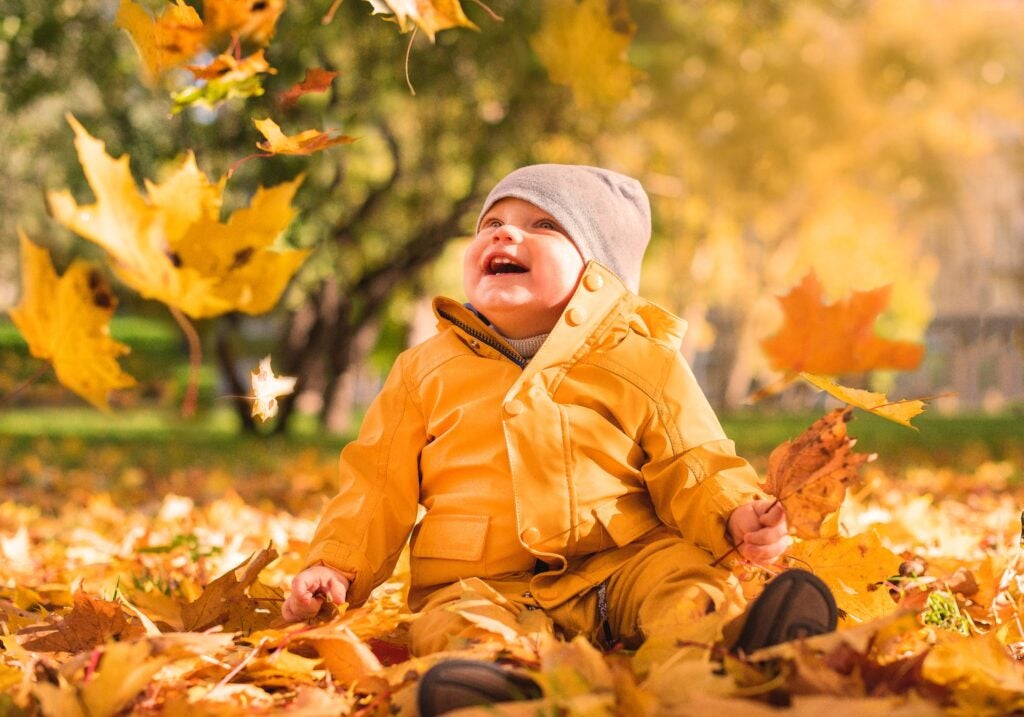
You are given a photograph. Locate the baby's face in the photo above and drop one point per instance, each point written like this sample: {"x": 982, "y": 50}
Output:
{"x": 521, "y": 269}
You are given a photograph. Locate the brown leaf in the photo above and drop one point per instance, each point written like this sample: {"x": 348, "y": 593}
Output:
{"x": 217, "y": 603}
{"x": 90, "y": 623}
{"x": 809, "y": 474}
{"x": 317, "y": 80}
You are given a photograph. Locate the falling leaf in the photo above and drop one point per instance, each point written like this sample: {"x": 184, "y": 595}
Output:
{"x": 430, "y": 16}
{"x": 305, "y": 142}
{"x": 583, "y": 45}
{"x": 317, "y": 80}
{"x": 834, "y": 339}
{"x": 65, "y": 320}
{"x": 267, "y": 387}
{"x": 224, "y": 78}
{"x": 90, "y": 623}
{"x": 809, "y": 474}
{"x": 163, "y": 42}
{"x": 170, "y": 244}
{"x": 178, "y": 34}
{"x": 253, "y": 20}
{"x": 215, "y": 605}
{"x": 898, "y": 411}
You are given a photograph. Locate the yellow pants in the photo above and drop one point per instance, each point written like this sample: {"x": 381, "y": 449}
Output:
{"x": 664, "y": 589}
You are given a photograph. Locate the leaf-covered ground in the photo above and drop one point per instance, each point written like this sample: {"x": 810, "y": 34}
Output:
{"x": 131, "y": 593}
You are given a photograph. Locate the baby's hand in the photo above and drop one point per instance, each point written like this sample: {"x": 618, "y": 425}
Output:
{"x": 759, "y": 530}
{"x": 309, "y": 588}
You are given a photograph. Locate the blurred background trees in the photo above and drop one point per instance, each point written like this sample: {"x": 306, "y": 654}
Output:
{"x": 875, "y": 142}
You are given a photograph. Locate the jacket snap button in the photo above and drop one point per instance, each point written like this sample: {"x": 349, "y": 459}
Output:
{"x": 514, "y": 407}
{"x": 575, "y": 316}
{"x": 593, "y": 282}
{"x": 530, "y": 536}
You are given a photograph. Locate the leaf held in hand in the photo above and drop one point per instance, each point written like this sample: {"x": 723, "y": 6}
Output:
{"x": 226, "y": 594}
{"x": 66, "y": 321}
{"x": 837, "y": 338}
{"x": 809, "y": 474}
{"x": 267, "y": 387}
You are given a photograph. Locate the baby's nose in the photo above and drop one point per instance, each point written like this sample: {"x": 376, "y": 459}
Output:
{"x": 508, "y": 233}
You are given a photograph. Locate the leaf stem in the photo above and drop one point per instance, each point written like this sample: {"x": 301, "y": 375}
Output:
{"x": 494, "y": 16}
{"x": 408, "y": 52}
{"x": 24, "y": 384}
{"x": 195, "y": 362}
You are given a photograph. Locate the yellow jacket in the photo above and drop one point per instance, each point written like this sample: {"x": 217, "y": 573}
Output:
{"x": 594, "y": 446}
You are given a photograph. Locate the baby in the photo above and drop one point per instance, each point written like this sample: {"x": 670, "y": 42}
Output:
{"x": 563, "y": 452}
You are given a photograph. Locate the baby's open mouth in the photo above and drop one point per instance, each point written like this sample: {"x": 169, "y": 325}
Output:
{"x": 504, "y": 265}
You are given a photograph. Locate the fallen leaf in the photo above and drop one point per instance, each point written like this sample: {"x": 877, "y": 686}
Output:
{"x": 855, "y": 569}
{"x": 214, "y": 606}
{"x": 306, "y": 142}
{"x": 983, "y": 677}
{"x": 267, "y": 387}
{"x": 838, "y": 338}
{"x": 584, "y": 46}
{"x": 346, "y": 656}
{"x": 317, "y": 80}
{"x": 66, "y": 321}
{"x": 90, "y": 623}
{"x": 809, "y": 474}
{"x": 170, "y": 244}
{"x": 430, "y": 16}
{"x": 125, "y": 669}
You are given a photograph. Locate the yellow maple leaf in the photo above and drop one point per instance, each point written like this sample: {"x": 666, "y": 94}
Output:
{"x": 836, "y": 338}
{"x": 306, "y": 142}
{"x": 266, "y": 388}
{"x": 178, "y": 34}
{"x": 853, "y": 568}
{"x": 66, "y": 321}
{"x": 431, "y": 16}
{"x": 170, "y": 244}
{"x": 244, "y": 19}
{"x": 877, "y": 403}
{"x": 583, "y": 46}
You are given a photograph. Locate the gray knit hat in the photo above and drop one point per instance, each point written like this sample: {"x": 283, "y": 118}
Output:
{"x": 606, "y": 214}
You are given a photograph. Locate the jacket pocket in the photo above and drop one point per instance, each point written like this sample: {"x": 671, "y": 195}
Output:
{"x": 450, "y": 537}
{"x": 625, "y": 520}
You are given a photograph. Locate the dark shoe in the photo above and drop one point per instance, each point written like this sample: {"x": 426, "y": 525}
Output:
{"x": 453, "y": 684}
{"x": 795, "y": 604}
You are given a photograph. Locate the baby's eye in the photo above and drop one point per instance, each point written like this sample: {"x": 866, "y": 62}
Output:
{"x": 547, "y": 224}
{"x": 492, "y": 222}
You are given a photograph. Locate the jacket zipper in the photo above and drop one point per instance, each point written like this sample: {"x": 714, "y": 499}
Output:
{"x": 487, "y": 339}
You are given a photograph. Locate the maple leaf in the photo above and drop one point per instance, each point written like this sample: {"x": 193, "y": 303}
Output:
{"x": 224, "y": 78}
{"x": 837, "y": 338}
{"x": 809, "y": 474}
{"x": 317, "y": 79}
{"x": 223, "y": 596}
{"x": 583, "y": 45}
{"x": 267, "y": 387}
{"x": 164, "y": 42}
{"x": 178, "y": 34}
{"x": 90, "y": 623}
{"x": 170, "y": 244}
{"x": 66, "y": 321}
{"x": 305, "y": 142}
{"x": 877, "y": 403}
{"x": 244, "y": 19}
{"x": 431, "y": 16}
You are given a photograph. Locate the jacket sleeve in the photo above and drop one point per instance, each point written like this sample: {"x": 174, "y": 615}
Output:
{"x": 693, "y": 474}
{"x": 366, "y": 525}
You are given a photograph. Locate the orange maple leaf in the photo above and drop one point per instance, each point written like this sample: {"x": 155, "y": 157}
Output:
{"x": 809, "y": 474}
{"x": 317, "y": 80}
{"x": 224, "y": 597}
{"x": 833, "y": 339}
{"x": 91, "y": 622}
